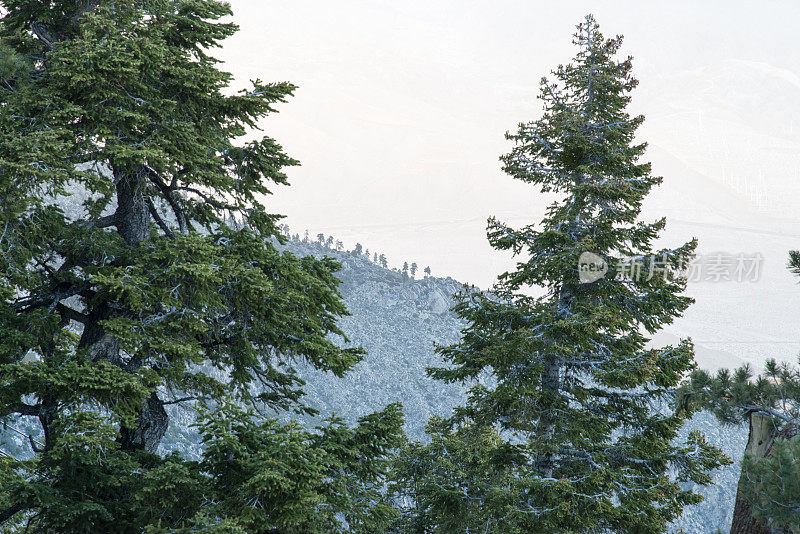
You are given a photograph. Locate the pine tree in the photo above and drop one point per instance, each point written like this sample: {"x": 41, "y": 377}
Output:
{"x": 771, "y": 484}
{"x": 571, "y": 407}
{"x": 767, "y": 500}
{"x": 146, "y": 296}
{"x": 768, "y": 496}
{"x": 427, "y": 271}
{"x": 413, "y": 269}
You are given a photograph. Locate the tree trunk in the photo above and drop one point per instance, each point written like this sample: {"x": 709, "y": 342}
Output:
{"x": 763, "y": 433}
{"x": 151, "y": 426}
{"x": 132, "y": 216}
{"x": 759, "y": 441}
{"x": 551, "y": 386}
{"x": 133, "y": 224}
{"x": 132, "y": 220}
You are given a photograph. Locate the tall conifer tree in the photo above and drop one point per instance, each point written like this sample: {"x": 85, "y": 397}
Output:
{"x": 569, "y": 427}
{"x": 145, "y": 295}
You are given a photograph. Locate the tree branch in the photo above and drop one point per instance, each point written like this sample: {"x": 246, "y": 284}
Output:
{"x": 102, "y": 222}
{"x": 23, "y": 409}
{"x": 207, "y": 199}
{"x": 176, "y": 401}
{"x": 52, "y": 299}
{"x": 68, "y": 313}
{"x": 43, "y": 34}
{"x": 11, "y": 511}
{"x": 159, "y": 220}
{"x": 168, "y": 193}
{"x": 33, "y": 442}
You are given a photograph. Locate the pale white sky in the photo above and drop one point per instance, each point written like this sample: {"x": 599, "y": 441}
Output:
{"x": 402, "y": 106}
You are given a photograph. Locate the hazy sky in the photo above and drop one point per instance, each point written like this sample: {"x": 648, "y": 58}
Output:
{"x": 402, "y": 106}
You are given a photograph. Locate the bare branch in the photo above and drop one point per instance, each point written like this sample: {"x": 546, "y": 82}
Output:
{"x": 23, "y": 409}
{"x": 52, "y": 299}
{"x": 43, "y": 34}
{"x": 169, "y": 195}
{"x": 68, "y": 313}
{"x": 102, "y": 222}
{"x": 159, "y": 220}
{"x": 176, "y": 401}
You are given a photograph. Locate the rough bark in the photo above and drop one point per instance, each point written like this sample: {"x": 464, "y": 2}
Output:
{"x": 551, "y": 385}
{"x": 151, "y": 425}
{"x": 100, "y": 345}
{"x": 133, "y": 213}
{"x": 759, "y": 441}
{"x": 133, "y": 224}
{"x": 763, "y": 433}
{"x": 132, "y": 220}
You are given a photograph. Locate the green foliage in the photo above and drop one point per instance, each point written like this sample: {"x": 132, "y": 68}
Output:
{"x": 569, "y": 426}
{"x": 269, "y": 475}
{"x": 733, "y": 395}
{"x": 459, "y": 482}
{"x": 772, "y": 484}
{"x": 142, "y": 292}
{"x": 255, "y": 475}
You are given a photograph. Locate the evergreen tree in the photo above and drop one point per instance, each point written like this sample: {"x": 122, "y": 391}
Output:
{"x": 146, "y": 296}
{"x": 768, "y": 496}
{"x": 771, "y": 484}
{"x": 405, "y": 268}
{"x": 427, "y": 271}
{"x": 571, "y": 406}
{"x": 382, "y": 260}
{"x": 413, "y": 269}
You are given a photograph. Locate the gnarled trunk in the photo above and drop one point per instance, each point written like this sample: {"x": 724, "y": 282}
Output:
{"x": 132, "y": 220}
{"x": 759, "y": 441}
{"x": 151, "y": 426}
{"x": 763, "y": 432}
